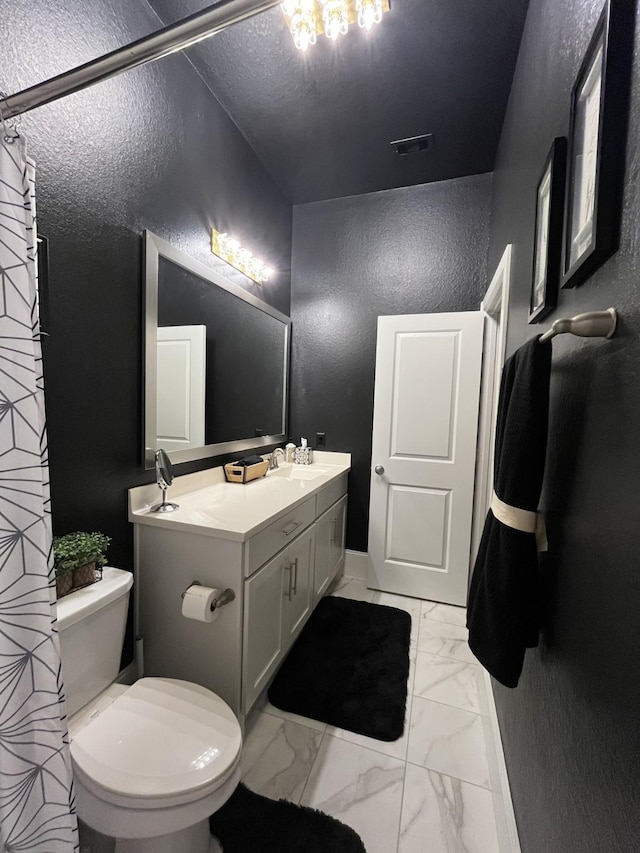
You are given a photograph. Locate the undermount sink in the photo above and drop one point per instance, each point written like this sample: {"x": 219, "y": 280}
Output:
{"x": 299, "y": 472}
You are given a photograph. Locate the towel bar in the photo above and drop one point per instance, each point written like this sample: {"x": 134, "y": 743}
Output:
{"x": 592, "y": 324}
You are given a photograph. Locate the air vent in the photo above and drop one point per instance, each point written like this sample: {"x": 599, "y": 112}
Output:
{"x": 412, "y": 145}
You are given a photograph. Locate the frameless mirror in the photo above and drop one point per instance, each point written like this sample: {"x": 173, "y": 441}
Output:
{"x": 216, "y": 361}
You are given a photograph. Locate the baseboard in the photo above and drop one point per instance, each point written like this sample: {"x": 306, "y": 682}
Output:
{"x": 505, "y": 816}
{"x": 355, "y": 564}
{"x": 129, "y": 675}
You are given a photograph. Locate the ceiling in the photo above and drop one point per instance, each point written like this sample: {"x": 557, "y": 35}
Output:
{"x": 322, "y": 121}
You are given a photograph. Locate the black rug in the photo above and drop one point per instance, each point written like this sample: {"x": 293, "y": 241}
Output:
{"x": 249, "y": 823}
{"x": 349, "y": 668}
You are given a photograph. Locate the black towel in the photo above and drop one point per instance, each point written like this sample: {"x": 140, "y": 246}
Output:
{"x": 503, "y": 607}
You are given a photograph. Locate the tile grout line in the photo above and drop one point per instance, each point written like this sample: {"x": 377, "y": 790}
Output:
{"x": 404, "y": 785}
{"x": 313, "y": 764}
{"x": 450, "y": 776}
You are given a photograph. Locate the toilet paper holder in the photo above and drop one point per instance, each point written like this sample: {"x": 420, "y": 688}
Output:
{"x": 226, "y": 597}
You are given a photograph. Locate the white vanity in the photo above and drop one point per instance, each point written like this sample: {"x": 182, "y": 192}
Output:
{"x": 277, "y": 543}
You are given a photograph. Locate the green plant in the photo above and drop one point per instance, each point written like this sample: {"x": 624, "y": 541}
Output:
{"x": 78, "y": 549}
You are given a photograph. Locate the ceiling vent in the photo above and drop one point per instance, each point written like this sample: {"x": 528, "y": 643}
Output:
{"x": 412, "y": 145}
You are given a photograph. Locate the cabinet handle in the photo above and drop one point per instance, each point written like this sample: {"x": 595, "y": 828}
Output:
{"x": 294, "y": 574}
{"x": 332, "y": 541}
{"x": 289, "y": 569}
{"x": 288, "y": 530}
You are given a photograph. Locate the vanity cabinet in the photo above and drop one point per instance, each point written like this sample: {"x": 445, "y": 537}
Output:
{"x": 330, "y": 533}
{"x": 223, "y": 536}
{"x": 277, "y": 603}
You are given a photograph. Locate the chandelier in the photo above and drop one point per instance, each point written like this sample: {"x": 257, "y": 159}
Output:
{"x": 308, "y": 19}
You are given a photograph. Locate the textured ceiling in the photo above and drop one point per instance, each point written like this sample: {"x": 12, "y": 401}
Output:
{"x": 322, "y": 121}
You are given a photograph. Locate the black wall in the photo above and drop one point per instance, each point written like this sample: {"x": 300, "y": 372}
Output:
{"x": 405, "y": 251}
{"x": 571, "y": 729}
{"x": 150, "y": 149}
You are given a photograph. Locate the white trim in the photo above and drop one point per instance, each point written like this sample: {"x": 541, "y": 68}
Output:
{"x": 129, "y": 675}
{"x": 355, "y": 564}
{"x": 496, "y": 308}
{"x": 507, "y": 828}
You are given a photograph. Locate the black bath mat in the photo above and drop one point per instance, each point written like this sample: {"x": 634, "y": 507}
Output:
{"x": 249, "y": 823}
{"x": 349, "y": 668}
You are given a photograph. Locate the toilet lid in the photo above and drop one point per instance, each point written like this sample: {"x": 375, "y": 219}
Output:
{"x": 161, "y": 737}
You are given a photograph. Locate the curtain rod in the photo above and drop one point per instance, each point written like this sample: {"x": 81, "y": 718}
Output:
{"x": 175, "y": 37}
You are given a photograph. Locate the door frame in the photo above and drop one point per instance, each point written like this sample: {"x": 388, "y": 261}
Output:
{"x": 495, "y": 306}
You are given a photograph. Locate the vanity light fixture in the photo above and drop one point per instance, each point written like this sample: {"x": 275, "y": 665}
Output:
{"x": 230, "y": 250}
{"x": 307, "y": 19}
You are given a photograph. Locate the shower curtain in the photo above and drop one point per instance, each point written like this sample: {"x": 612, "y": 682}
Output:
{"x": 37, "y": 810}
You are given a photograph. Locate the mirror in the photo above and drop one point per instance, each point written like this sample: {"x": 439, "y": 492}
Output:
{"x": 216, "y": 361}
{"x": 164, "y": 478}
{"x": 164, "y": 471}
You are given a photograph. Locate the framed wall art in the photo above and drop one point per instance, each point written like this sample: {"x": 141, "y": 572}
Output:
{"x": 547, "y": 244}
{"x": 597, "y": 142}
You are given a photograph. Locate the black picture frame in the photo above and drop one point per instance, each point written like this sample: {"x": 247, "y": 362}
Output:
{"x": 603, "y": 83}
{"x": 547, "y": 232}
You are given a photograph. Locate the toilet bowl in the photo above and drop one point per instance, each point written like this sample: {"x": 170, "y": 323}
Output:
{"x": 151, "y": 762}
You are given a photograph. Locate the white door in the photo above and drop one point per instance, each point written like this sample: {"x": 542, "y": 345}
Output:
{"x": 181, "y": 387}
{"x": 425, "y": 426}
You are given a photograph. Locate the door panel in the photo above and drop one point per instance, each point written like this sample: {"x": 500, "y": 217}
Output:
{"x": 181, "y": 367}
{"x": 297, "y": 606}
{"x": 428, "y": 369}
{"x": 417, "y": 524}
{"x": 263, "y": 618}
{"x": 338, "y": 537}
{"x": 417, "y": 394}
{"x": 322, "y": 569}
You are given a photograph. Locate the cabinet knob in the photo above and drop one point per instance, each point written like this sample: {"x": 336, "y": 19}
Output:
{"x": 379, "y": 469}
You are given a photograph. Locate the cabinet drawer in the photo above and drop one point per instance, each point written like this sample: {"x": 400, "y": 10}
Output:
{"x": 269, "y": 541}
{"x": 328, "y": 496}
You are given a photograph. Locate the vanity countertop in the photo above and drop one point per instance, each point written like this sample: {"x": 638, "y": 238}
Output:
{"x": 210, "y": 505}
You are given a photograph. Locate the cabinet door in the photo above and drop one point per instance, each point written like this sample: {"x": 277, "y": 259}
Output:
{"x": 263, "y": 622}
{"x": 298, "y": 597}
{"x": 338, "y": 530}
{"x": 322, "y": 569}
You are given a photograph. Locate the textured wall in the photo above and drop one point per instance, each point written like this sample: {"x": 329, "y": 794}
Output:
{"x": 417, "y": 250}
{"x": 150, "y": 149}
{"x": 571, "y": 729}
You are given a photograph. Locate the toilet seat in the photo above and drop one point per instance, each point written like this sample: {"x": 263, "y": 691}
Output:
{"x": 161, "y": 742}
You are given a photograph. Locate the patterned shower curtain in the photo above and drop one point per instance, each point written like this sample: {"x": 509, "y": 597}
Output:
{"x": 37, "y": 810}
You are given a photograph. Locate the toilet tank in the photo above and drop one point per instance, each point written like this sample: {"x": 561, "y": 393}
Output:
{"x": 91, "y": 624}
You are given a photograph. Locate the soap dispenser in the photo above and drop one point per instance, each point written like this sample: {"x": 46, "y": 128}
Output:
{"x": 290, "y": 450}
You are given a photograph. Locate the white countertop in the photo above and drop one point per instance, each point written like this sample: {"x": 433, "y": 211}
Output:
{"x": 210, "y": 505}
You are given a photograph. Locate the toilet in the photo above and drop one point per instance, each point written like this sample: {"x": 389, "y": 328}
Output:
{"x": 151, "y": 761}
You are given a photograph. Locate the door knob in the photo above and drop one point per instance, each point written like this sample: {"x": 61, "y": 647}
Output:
{"x": 379, "y": 469}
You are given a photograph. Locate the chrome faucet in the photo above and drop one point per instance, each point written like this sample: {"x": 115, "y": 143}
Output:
{"x": 273, "y": 459}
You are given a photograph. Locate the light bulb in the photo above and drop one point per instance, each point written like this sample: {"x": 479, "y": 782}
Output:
{"x": 369, "y": 13}
{"x": 334, "y": 27}
{"x": 303, "y": 28}
{"x": 335, "y": 17}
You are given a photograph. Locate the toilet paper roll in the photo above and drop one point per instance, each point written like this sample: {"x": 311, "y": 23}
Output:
{"x": 197, "y": 602}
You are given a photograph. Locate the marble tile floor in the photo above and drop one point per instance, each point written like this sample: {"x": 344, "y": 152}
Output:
{"x": 430, "y": 791}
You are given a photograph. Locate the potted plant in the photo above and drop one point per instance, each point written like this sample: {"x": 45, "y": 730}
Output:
{"x": 77, "y": 556}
